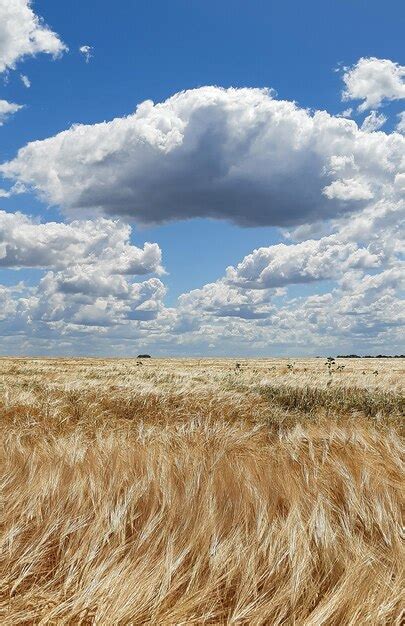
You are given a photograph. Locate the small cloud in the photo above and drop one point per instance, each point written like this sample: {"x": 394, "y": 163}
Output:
{"x": 17, "y": 189}
{"x": 346, "y": 113}
{"x": 400, "y": 127}
{"x": 87, "y": 52}
{"x": 25, "y": 80}
{"x": 340, "y": 67}
{"x": 7, "y": 109}
{"x": 373, "y": 122}
{"x": 374, "y": 81}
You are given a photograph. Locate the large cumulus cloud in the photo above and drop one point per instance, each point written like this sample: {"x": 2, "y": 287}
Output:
{"x": 235, "y": 154}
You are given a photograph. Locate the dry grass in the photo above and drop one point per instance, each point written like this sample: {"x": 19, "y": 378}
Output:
{"x": 186, "y": 492}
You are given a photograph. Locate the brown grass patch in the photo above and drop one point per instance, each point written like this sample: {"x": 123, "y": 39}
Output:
{"x": 156, "y": 505}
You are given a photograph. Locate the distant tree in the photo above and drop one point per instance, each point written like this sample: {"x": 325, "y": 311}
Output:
{"x": 370, "y": 356}
{"x": 144, "y": 356}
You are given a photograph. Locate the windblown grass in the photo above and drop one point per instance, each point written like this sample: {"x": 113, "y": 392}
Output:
{"x": 163, "y": 495}
{"x": 339, "y": 400}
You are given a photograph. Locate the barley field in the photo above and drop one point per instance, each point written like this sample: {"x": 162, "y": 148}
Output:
{"x": 190, "y": 491}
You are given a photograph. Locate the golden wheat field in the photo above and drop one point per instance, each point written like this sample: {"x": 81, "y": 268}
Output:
{"x": 201, "y": 492}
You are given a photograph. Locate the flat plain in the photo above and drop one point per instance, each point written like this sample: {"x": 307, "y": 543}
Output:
{"x": 212, "y": 491}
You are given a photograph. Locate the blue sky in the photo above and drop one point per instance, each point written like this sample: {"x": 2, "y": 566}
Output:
{"x": 143, "y": 50}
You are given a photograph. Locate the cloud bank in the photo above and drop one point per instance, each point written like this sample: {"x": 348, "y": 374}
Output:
{"x": 334, "y": 282}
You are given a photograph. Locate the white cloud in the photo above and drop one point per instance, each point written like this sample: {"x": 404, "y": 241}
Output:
{"x": 87, "y": 52}
{"x": 373, "y": 122}
{"x": 91, "y": 265}
{"x": 366, "y": 315}
{"x": 95, "y": 298}
{"x": 7, "y": 109}
{"x": 374, "y": 81}
{"x": 346, "y": 113}
{"x": 25, "y": 81}
{"x": 350, "y": 189}
{"x": 222, "y": 299}
{"x": 254, "y": 307}
{"x": 360, "y": 313}
{"x": 371, "y": 307}
{"x": 380, "y": 226}
{"x": 8, "y": 302}
{"x": 235, "y": 154}
{"x": 15, "y": 190}
{"x": 22, "y": 33}
{"x": 281, "y": 264}
{"x": 232, "y": 154}
{"x": 401, "y": 124}
{"x": 102, "y": 244}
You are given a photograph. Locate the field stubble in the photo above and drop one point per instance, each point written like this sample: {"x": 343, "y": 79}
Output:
{"x": 201, "y": 492}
